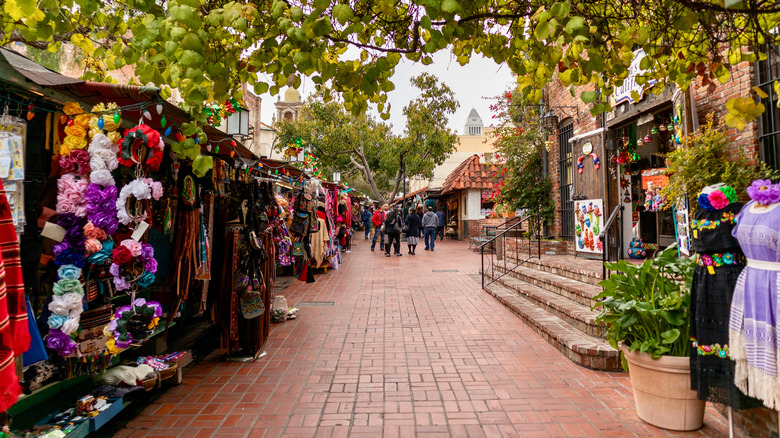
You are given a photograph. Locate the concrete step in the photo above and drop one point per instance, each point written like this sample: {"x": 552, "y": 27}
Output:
{"x": 574, "y": 290}
{"x": 580, "y": 348}
{"x": 559, "y": 267}
{"x": 576, "y": 314}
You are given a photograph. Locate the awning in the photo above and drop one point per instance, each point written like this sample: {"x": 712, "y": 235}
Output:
{"x": 35, "y": 72}
{"x": 92, "y": 93}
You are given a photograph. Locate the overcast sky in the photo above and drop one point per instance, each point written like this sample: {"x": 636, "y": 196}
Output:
{"x": 474, "y": 85}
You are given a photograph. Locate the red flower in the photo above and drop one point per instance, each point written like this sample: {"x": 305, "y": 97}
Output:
{"x": 121, "y": 255}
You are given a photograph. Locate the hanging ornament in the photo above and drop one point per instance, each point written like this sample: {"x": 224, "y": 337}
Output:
{"x": 197, "y": 140}
{"x": 116, "y": 117}
{"x": 276, "y": 172}
{"x": 233, "y": 143}
{"x": 216, "y": 149}
{"x": 163, "y": 121}
{"x": 100, "y": 123}
{"x": 179, "y": 137}
{"x": 63, "y": 119}
{"x": 232, "y": 154}
{"x": 648, "y": 139}
{"x": 159, "y": 108}
{"x": 208, "y": 147}
{"x": 168, "y": 131}
{"x": 147, "y": 114}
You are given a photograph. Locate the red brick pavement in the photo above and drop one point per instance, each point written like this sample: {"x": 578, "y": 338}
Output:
{"x": 404, "y": 352}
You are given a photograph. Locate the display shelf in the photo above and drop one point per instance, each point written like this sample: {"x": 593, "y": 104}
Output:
{"x": 45, "y": 393}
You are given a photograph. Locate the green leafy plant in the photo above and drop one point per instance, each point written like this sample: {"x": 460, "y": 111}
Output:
{"x": 647, "y": 307}
{"x": 702, "y": 160}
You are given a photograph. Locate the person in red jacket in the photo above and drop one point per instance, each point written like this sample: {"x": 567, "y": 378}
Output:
{"x": 377, "y": 219}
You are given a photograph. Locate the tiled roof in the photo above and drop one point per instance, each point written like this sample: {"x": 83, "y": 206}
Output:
{"x": 471, "y": 174}
{"x": 410, "y": 195}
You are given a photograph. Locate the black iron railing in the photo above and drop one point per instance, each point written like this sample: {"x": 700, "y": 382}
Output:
{"x": 508, "y": 239}
{"x": 615, "y": 217}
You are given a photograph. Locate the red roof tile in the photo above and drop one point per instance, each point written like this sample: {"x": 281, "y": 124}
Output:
{"x": 471, "y": 174}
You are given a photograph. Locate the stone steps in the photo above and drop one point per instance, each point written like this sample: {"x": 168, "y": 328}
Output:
{"x": 579, "y": 347}
{"x": 557, "y": 268}
{"x": 576, "y": 314}
{"x": 571, "y": 289}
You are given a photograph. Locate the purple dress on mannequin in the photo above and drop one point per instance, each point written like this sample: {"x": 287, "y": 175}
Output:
{"x": 753, "y": 325}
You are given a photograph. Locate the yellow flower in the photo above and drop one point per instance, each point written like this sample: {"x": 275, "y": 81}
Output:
{"x": 153, "y": 324}
{"x": 111, "y": 346}
{"x": 72, "y": 142}
{"x": 114, "y": 136}
{"x": 72, "y": 108}
{"x": 75, "y": 130}
{"x": 64, "y": 149}
{"x": 82, "y": 120}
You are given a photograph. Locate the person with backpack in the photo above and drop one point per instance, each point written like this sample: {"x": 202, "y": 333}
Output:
{"x": 412, "y": 226}
{"x": 392, "y": 226}
{"x": 365, "y": 217}
{"x": 378, "y": 219}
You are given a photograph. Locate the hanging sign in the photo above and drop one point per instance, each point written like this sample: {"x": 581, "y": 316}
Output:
{"x": 657, "y": 177}
{"x": 623, "y": 92}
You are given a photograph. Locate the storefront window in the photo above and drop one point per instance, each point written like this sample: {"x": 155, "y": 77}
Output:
{"x": 767, "y": 72}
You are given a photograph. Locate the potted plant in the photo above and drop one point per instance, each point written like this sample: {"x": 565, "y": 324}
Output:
{"x": 646, "y": 308}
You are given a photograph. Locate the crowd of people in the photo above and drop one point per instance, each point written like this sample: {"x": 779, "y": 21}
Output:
{"x": 387, "y": 224}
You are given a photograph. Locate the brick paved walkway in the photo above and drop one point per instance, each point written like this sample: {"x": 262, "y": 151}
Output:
{"x": 405, "y": 351}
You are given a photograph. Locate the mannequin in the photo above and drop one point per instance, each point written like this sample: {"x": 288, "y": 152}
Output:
{"x": 719, "y": 262}
{"x": 754, "y": 312}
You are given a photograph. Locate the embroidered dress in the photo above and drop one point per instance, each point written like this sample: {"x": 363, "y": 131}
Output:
{"x": 753, "y": 325}
{"x": 719, "y": 262}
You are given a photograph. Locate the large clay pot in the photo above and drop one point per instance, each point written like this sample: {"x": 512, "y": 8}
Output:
{"x": 662, "y": 391}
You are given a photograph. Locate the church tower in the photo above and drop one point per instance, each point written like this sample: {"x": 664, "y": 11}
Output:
{"x": 289, "y": 108}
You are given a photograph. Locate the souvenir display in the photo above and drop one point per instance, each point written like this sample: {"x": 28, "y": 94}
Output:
{"x": 588, "y": 222}
{"x": 719, "y": 262}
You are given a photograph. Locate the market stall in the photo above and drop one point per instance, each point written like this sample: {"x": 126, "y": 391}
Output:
{"x": 132, "y": 243}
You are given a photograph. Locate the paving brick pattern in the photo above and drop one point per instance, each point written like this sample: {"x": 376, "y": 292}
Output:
{"x": 404, "y": 352}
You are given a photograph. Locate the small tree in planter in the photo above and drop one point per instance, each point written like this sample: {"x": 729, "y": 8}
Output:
{"x": 647, "y": 310}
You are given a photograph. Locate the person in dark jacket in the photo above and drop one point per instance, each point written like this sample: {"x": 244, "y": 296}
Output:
{"x": 393, "y": 223}
{"x": 365, "y": 217}
{"x": 442, "y": 223}
{"x": 413, "y": 221}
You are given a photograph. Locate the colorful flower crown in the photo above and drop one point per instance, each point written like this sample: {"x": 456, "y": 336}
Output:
{"x": 717, "y": 199}
{"x": 133, "y": 262}
{"x": 132, "y": 324}
{"x": 130, "y": 147}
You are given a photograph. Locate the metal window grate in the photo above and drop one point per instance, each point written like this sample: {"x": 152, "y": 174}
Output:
{"x": 567, "y": 180}
{"x": 767, "y": 72}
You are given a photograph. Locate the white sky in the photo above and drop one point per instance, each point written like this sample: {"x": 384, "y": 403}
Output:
{"x": 479, "y": 78}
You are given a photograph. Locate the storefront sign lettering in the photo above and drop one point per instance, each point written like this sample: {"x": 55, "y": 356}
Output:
{"x": 623, "y": 92}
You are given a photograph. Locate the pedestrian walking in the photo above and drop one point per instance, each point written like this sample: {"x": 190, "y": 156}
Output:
{"x": 442, "y": 223}
{"x": 365, "y": 217}
{"x": 392, "y": 224}
{"x": 378, "y": 219}
{"x": 430, "y": 224}
{"x": 412, "y": 227}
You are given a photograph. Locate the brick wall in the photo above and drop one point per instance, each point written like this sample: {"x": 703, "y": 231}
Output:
{"x": 559, "y": 99}
{"x": 549, "y": 247}
{"x": 712, "y": 99}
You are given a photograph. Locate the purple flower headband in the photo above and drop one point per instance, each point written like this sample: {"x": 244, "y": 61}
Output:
{"x": 764, "y": 192}
{"x": 101, "y": 207}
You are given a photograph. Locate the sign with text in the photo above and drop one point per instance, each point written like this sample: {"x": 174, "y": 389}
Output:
{"x": 657, "y": 177}
{"x": 623, "y": 92}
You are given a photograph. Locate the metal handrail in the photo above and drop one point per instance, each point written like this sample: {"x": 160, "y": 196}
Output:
{"x": 515, "y": 227}
{"x": 603, "y": 236}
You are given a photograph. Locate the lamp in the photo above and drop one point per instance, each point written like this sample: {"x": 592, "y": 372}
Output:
{"x": 550, "y": 121}
{"x": 238, "y": 123}
{"x": 336, "y": 177}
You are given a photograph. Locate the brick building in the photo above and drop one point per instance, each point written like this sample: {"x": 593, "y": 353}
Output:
{"x": 648, "y": 128}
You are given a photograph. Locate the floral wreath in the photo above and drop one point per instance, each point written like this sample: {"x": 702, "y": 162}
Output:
{"x": 133, "y": 262}
{"x": 719, "y": 198}
{"x": 141, "y": 188}
{"x": 135, "y": 138}
{"x": 66, "y": 307}
{"x": 764, "y": 192}
{"x": 132, "y": 324}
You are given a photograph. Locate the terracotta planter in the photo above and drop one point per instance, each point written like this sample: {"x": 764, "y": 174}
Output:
{"x": 662, "y": 391}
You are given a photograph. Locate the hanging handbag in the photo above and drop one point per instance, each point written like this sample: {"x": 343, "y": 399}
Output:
{"x": 252, "y": 303}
